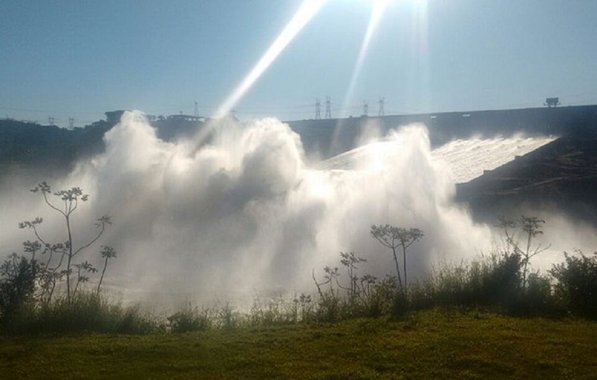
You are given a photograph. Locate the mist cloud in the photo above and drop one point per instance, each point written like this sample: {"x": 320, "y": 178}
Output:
{"x": 246, "y": 214}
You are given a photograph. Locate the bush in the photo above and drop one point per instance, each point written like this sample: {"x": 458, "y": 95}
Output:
{"x": 382, "y": 298}
{"x": 85, "y": 312}
{"x": 228, "y": 318}
{"x": 17, "y": 285}
{"x": 494, "y": 281}
{"x": 189, "y": 319}
{"x": 537, "y": 298}
{"x": 277, "y": 311}
{"x": 576, "y": 288}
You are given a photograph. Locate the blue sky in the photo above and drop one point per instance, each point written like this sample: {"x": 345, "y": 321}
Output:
{"x": 81, "y": 58}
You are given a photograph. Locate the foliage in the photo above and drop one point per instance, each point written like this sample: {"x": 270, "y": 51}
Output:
{"x": 17, "y": 285}
{"x": 65, "y": 202}
{"x": 500, "y": 282}
{"x": 329, "y": 301}
{"x": 351, "y": 261}
{"x": 85, "y": 312}
{"x": 189, "y": 319}
{"x": 530, "y": 228}
{"x": 577, "y": 283}
{"x": 107, "y": 253}
{"x": 491, "y": 282}
{"x": 364, "y": 295}
{"x": 394, "y": 238}
{"x": 228, "y": 318}
{"x": 303, "y": 306}
{"x": 279, "y": 311}
{"x": 538, "y": 298}
{"x": 28, "y": 283}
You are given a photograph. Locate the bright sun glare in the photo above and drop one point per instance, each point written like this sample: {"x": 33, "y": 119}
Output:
{"x": 303, "y": 15}
{"x": 307, "y": 10}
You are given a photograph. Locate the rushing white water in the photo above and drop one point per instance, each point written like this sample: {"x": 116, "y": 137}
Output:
{"x": 466, "y": 158}
{"x": 247, "y": 215}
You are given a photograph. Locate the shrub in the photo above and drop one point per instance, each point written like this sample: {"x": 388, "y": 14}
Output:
{"x": 17, "y": 285}
{"x": 381, "y": 299}
{"x": 189, "y": 319}
{"x": 493, "y": 281}
{"x": 537, "y": 299}
{"x": 576, "y": 286}
{"x": 277, "y": 311}
{"x": 228, "y": 318}
{"x": 85, "y": 312}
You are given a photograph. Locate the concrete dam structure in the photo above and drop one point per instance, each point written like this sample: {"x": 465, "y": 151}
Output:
{"x": 318, "y": 135}
{"x": 559, "y": 176}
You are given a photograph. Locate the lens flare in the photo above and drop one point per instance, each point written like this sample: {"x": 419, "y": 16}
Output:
{"x": 417, "y": 85}
{"x": 376, "y": 12}
{"x": 378, "y": 8}
{"x": 303, "y": 15}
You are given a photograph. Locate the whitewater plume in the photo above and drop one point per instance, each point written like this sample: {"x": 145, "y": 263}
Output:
{"x": 466, "y": 159}
{"x": 245, "y": 214}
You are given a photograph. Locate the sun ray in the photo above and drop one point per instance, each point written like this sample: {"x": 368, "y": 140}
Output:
{"x": 376, "y": 12}
{"x": 303, "y": 15}
{"x": 378, "y": 8}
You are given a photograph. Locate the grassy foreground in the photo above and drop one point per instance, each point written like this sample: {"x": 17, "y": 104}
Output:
{"x": 423, "y": 345}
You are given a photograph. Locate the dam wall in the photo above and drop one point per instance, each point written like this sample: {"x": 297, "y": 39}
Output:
{"x": 330, "y": 137}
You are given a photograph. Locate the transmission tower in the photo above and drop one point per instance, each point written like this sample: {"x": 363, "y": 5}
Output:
{"x": 381, "y": 102}
{"x": 317, "y": 109}
{"x": 328, "y": 107}
{"x": 196, "y": 110}
{"x": 71, "y": 122}
{"x": 552, "y": 102}
{"x": 50, "y": 120}
{"x": 365, "y": 108}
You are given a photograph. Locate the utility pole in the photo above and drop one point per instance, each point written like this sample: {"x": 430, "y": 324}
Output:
{"x": 196, "y": 109}
{"x": 381, "y": 103}
{"x": 365, "y": 108}
{"x": 328, "y": 107}
{"x": 317, "y": 109}
{"x": 51, "y": 120}
{"x": 71, "y": 122}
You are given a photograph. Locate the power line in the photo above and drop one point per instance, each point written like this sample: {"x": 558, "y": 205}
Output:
{"x": 48, "y": 111}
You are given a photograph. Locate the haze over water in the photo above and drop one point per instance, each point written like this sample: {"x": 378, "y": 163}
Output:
{"x": 245, "y": 214}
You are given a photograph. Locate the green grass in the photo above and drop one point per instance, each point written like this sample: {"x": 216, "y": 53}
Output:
{"x": 423, "y": 345}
